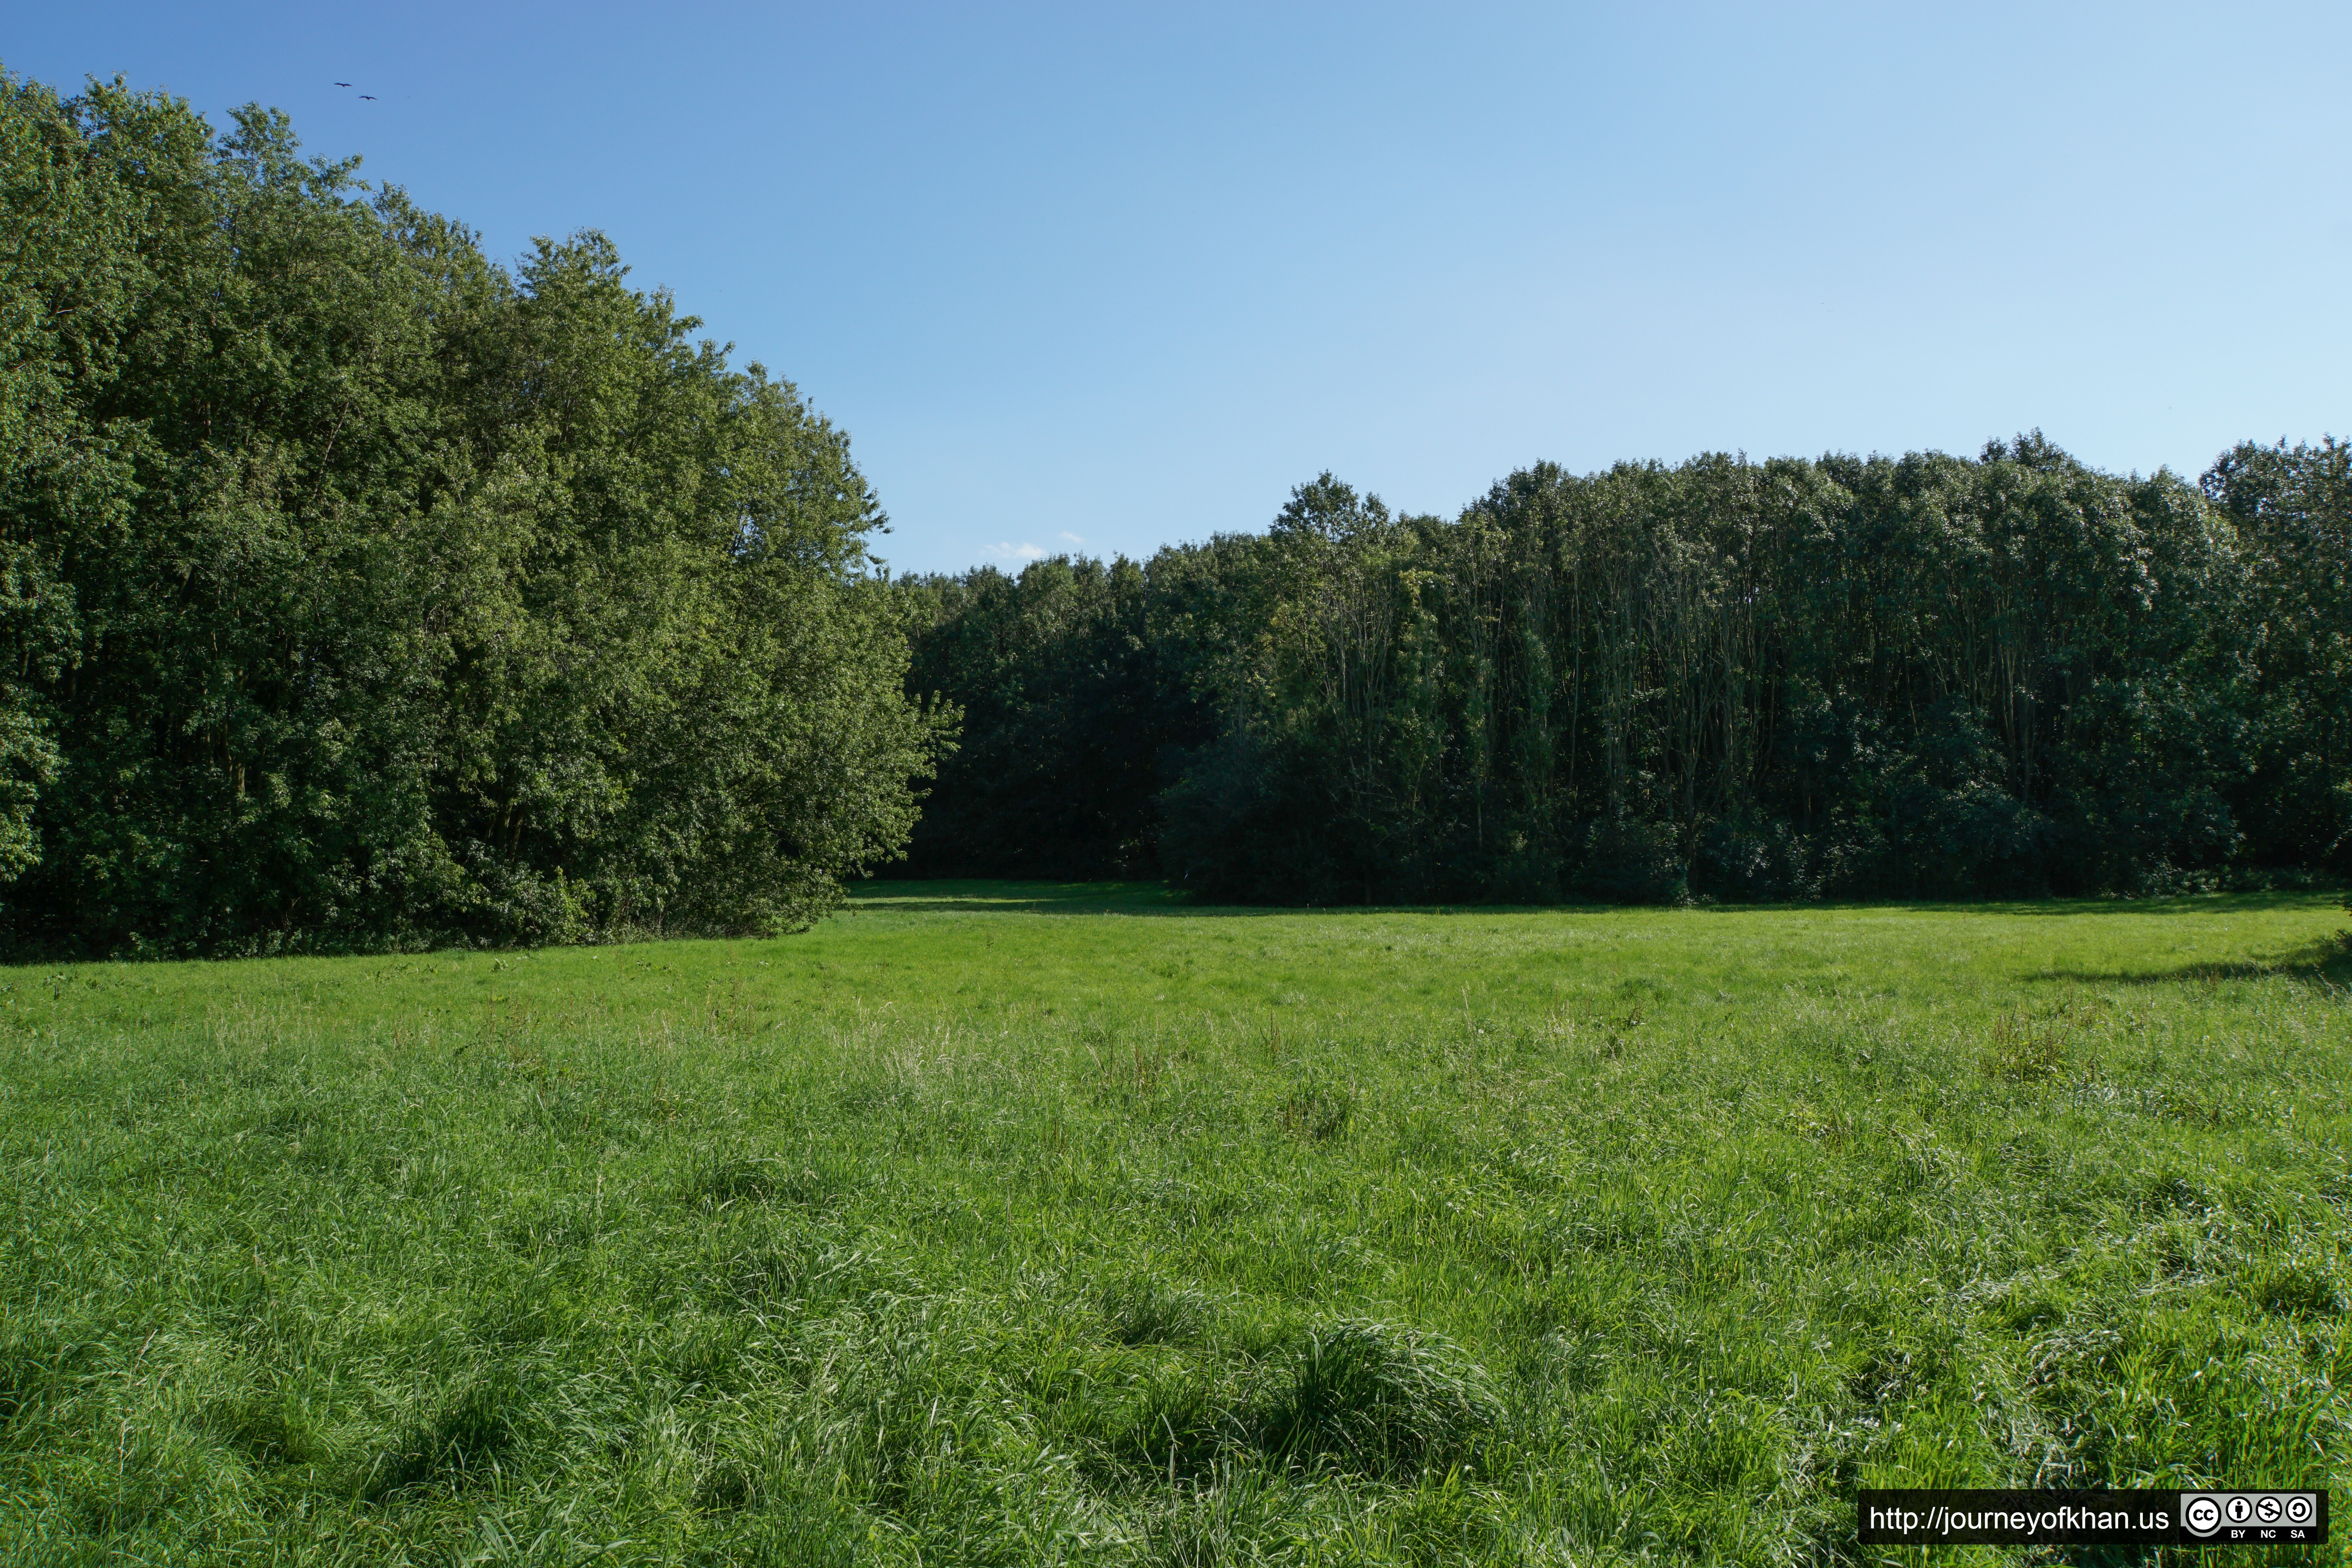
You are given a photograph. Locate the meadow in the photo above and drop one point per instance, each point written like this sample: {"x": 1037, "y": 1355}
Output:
{"x": 1027, "y": 1223}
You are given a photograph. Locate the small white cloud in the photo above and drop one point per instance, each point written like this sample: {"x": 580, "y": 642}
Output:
{"x": 1073, "y": 538}
{"x": 1023, "y": 552}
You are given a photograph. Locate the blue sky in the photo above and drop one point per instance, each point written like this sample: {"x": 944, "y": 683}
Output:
{"x": 1103, "y": 278}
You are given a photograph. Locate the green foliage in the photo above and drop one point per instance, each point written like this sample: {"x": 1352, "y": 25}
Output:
{"x": 359, "y": 592}
{"x": 1751, "y": 681}
{"x": 1079, "y": 685}
{"x": 1019, "y": 1223}
{"x": 2292, "y": 509}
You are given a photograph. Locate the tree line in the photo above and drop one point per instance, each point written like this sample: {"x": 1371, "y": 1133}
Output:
{"x": 358, "y": 592}
{"x": 1924, "y": 677}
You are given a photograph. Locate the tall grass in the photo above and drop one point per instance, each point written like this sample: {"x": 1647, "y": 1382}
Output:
{"x": 1005, "y": 1225}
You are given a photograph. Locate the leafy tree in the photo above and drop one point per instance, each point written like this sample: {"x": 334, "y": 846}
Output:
{"x": 1924, "y": 677}
{"x": 362, "y": 592}
{"x": 1076, "y": 680}
{"x": 2290, "y": 510}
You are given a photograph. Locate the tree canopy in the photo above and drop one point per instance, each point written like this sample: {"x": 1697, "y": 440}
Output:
{"x": 359, "y": 591}
{"x": 1918, "y": 676}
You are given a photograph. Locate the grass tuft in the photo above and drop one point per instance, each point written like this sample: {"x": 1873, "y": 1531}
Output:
{"x": 461, "y": 1438}
{"x": 1140, "y": 1310}
{"x": 1378, "y": 1397}
{"x": 1317, "y": 1112}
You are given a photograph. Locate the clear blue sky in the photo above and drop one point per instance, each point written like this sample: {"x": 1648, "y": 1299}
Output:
{"x": 1125, "y": 274}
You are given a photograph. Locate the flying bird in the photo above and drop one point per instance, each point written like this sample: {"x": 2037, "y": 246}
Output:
{"x": 369, "y": 96}
{"x": 343, "y": 84}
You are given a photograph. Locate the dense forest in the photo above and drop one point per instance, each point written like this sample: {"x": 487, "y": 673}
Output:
{"x": 1926, "y": 676}
{"x": 358, "y": 592}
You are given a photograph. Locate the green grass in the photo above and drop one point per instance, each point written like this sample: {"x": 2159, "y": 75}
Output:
{"x": 1019, "y": 1223}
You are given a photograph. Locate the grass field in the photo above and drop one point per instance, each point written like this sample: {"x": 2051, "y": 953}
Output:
{"x": 1008, "y": 1224}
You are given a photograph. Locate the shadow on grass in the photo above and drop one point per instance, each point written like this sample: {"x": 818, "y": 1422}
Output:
{"x": 2191, "y": 904}
{"x": 2328, "y": 961}
{"x": 946, "y": 897}
{"x": 975, "y": 896}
